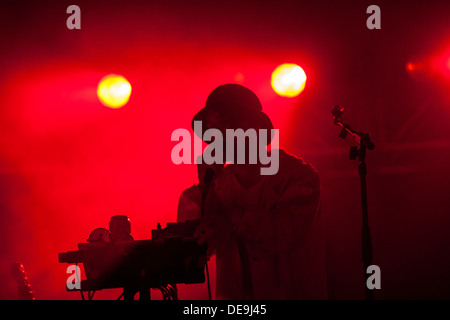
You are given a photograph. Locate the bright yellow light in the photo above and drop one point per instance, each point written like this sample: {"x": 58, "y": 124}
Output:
{"x": 288, "y": 80}
{"x": 114, "y": 91}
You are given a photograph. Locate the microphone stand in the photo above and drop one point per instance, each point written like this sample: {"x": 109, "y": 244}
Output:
{"x": 364, "y": 142}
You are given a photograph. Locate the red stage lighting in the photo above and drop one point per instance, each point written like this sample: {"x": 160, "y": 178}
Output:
{"x": 288, "y": 80}
{"x": 410, "y": 66}
{"x": 114, "y": 91}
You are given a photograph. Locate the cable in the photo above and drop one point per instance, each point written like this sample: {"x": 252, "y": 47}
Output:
{"x": 207, "y": 279}
{"x": 91, "y": 295}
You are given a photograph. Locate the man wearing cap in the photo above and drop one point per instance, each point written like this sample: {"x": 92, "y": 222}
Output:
{"x": 265, "y": 230}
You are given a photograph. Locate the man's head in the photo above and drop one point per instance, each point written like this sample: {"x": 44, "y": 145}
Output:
{"x": 232, "y": 106}
{"x": 236, "y": 129}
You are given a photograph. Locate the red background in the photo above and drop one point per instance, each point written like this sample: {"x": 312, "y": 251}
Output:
{"x": 67, "y": 163}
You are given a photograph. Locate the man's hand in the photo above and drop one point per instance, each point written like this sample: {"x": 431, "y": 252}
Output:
{"x": 209, "y": 231}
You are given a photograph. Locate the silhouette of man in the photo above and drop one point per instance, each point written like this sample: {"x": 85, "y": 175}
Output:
{"x": 265, "y": 230}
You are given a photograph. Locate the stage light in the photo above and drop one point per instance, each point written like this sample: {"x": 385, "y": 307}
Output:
{"x": 114, "y": 91}
{"x": 410, "y": 66}
{"x": 288, "y": 80}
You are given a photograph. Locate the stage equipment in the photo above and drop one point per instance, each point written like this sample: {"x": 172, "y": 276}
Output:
{"x": 112, "y": 259}
{"x": 359, "y": 152}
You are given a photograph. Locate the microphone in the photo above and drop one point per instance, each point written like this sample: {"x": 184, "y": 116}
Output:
{"x": 207, "y": 179}
{"x": 337, "y": 113}
{"x": 209, "y": 175}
